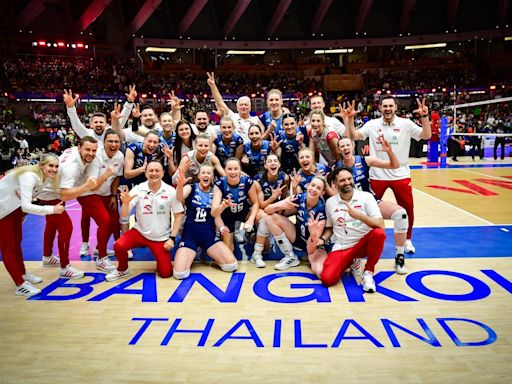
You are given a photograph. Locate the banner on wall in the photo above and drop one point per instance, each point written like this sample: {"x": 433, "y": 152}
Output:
{"x": 343, "y": 82}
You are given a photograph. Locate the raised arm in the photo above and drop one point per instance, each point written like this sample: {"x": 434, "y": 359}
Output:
{"x": 393, "y": 161}
{"x": 216, "y": 94}
{"x": 76, "y": 124}
{"x": 426, "y": 133}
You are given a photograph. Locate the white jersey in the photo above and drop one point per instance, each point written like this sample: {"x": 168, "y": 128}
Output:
{"x": 333, "y": 124}
{"x": 82, "y": 131}
{"x": 242, "y": 125}
{"x": 71, "y": 173}
{"x": 211, "y": 131}
{"x": 322, "y": 144}
{"x": 153, "y": 210}
{"x": 19, "y": 191}
{"x": 398, "y": 134}
{"x": 98, "y": 167}
{"x": 193, "y": 169}
{"x": 347, "y": 230}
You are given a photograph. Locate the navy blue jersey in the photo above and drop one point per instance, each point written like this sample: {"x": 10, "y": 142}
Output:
{"x": 303, "y": 215}
{"x": 305, "y": 179}
{"x": 225, "y": 151}
{"x": 302, "y": 129}
{"x": 138, "y": 161}
{"x": 289, "y": 151}
{"x": 361, "y": 173}
{"x": 266, "y": 118}
{"x": 256, "y": 157}
{"x": 239, "y": 195}
{"x": 199, "y": 206}
{"x": 266, "y": 185}
{"x": 170, "y": 141}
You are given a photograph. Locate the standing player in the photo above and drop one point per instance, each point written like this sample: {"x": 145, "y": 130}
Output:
{"x": 101, "y": 203}
{"x": 360, "y": 166}
{"x": 398, "y": 132}
{"x": 17, "y": 191}
{"x": 73, "y": 164}
{"x": 199, "y": 226}
{"x": 154, "y": 201}
{"x": 358, "y": 229}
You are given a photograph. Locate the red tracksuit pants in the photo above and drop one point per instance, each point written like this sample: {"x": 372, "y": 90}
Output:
{"x": 61, "y": 224}
{"x": 10, "y": 245}
{"x": 371, "y": 246}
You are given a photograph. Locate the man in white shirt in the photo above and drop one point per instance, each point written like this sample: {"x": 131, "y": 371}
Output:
{"x": 101, "y": 203}
{"x": 73, "y": 183}
{"x": 398, "y": 132}
{"x": 358, "y": 228}
{"x": 154, "y": 201}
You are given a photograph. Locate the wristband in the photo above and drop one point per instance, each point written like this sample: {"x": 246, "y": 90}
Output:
{"x": 424, "y": 116}
{"x": 173, "y": 238}
{"x": 124, "y": 220}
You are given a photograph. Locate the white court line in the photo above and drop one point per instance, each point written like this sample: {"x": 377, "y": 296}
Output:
{"x": 457, "y": 208}
{"x": 486, "y": 175}
{"x": 70, "y": 205}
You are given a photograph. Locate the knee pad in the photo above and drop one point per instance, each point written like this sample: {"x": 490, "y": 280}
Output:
{"x": 181, "y": 275}
{"x": 401, "y": 220}
{"x": 263, "y": 229}
{"x": 229, "y": 267}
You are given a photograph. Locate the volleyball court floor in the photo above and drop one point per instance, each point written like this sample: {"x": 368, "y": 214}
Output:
{"x": 447, "y": 320}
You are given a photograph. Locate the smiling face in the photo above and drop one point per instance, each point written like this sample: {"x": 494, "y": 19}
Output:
{"x": 233, "y": 171}
{"x": 306, "y": 160}
{"x": 88, "y": 151}
{"x": 272, "y": 164}
{"x": 316, "y": 102}
{"x": 205, "y": 176}
{"x": 243, "y": 107}
{"x": 290, "y": 126}
{"x": 317, "y": 122}
{"x": 50, "y": 169}
{"x": 166, "y": 122}
{"x": 184, "y": 131}
{"x": 226, "y": 128}
{"x": 148, "y": 118}
{"x": 150, "y": 143}
{"x": 345, "y": 181}
{"x": 388, "y": 109}
{"x": 201, "y": 121}
{"x": 315, "y": 188}
{"x": 274, "y": 102}
{"x": 112, "y": 144}
{"x": 255, "y": 134}
{"x": 202, "y": 147}
{"x": 154, "y": 172}
{"x": 345, "y": 148}
{"x": 98, "y": 124}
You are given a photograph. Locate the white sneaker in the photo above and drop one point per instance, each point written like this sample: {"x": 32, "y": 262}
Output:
{"x": 27, "y": 289}
{"x": 400, "y": 267}
{"x": 368, "y": 283}
{"x": 32, "y": 279}
{"x": 357, "y": 267}
{"x": 71, "y": 273}
{"x": 408, "y": 247}
{"x": 84, "y": 249}
{"x": 51, "y": 261}
{"x": 104, "y": 264}
{"x": 257, "y": 260}
{"x": 130, "y": 254}
{"x": 113, "y": 276}
{"x": 109, "y": 252}
{"x": 287, "y": 262}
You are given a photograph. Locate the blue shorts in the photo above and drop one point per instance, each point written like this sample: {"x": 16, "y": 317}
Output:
{"x": 194, "y": 237}
{"x": 230, "y": 219}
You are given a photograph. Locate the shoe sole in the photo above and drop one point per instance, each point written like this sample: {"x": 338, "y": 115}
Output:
{"x": 117, "y": 278}
{"x": 105, "y": 269}
{"x": 26, "y": 294}
{"x": 72, "y": 277}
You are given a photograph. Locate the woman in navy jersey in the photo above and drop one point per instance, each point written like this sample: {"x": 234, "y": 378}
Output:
{"x": 228, "y": 144}
{"x": 308, "y": 170}
{"x": 255, "y": 152}
{"x": 183, "y": 143}
{"x": 199, "y": 227}
{"x": 272, "y": 185}
{"x": 288, "y": 143}
{"x": 306, "y": 206}
{"x": 138, "y": 155}
{"x": 234, "y": 199}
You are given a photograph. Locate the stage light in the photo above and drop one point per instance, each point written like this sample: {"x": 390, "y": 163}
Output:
{"x": 60, "y": 44}
{"x": 235, "y": 52}
{"x": 73, "y": 45}
{"x": 424, "y": 46}
{"x": 79, "y": 45}
{"x": 42, "y": 42}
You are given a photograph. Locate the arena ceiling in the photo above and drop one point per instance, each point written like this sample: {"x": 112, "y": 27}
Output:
{"x": 242, "y": 22}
